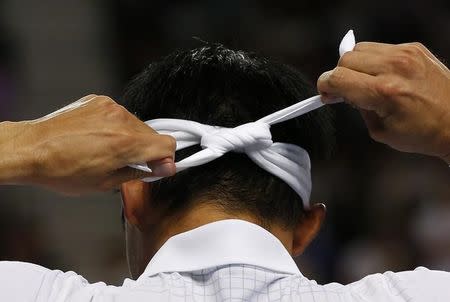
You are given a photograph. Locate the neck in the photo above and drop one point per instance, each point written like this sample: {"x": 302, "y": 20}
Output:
{"x": 206, "y": 213}
{"x": 143, "y": 243}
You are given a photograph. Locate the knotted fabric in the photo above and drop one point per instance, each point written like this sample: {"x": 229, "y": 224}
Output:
{"x": 289, "y": 162}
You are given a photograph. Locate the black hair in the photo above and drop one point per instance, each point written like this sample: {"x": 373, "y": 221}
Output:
{"x": 218, "y": 86}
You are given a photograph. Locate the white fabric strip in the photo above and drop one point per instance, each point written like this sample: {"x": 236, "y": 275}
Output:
{"x": 289, "y": 162}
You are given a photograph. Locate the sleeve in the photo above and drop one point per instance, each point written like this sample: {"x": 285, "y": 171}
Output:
{"x": 23, "y": 282}
{"x": 419, "y": 285}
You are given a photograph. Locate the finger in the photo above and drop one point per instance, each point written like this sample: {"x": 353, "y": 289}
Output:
{"x": 420, "y": 47}
{"x": 373, "y": 47}
{"x": 123, "y": 175}
{"x": 374, "y": 124}
{"x": 389, "y": 49}
{"x": 163, "y": 167}
{"x": 153, "y": 147}
{"x": 355, "y": 87}
{"x": 365, "y": 62}
{"x": 160, "y": 168}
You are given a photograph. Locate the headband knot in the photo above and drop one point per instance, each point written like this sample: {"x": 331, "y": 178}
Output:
{"x": 289, "y": 162}
{"x": 247, "y": 137}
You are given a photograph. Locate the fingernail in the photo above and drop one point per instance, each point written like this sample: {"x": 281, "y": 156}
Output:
{"x": 332, "y": 100}
{"x": 166, "y": 169}
{"x": 325, "y": 98}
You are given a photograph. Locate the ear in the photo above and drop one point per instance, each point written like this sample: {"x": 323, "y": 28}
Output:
{"x": 136, "y": 202}
{"x": 307, "y": 228}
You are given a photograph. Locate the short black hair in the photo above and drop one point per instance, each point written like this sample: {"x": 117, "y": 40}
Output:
{"x": 218, "y": 86}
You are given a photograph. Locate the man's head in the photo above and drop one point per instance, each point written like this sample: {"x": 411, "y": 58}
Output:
{"x": 218, "y": 86}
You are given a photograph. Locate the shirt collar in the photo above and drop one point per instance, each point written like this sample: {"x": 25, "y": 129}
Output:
{"x": 223, "y": 242}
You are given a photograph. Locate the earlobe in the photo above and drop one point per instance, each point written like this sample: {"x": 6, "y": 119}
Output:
{"x": 135, "y": 195}
{"x": 307, "y": 228}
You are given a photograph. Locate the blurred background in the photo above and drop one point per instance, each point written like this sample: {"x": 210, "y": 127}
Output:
{"x": 386, "y": 210}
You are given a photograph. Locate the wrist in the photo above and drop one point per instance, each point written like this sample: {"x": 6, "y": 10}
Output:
{"x": 16, "y": 157}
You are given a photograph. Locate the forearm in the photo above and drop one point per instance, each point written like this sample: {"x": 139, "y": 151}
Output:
{"x": 15, "y": 157}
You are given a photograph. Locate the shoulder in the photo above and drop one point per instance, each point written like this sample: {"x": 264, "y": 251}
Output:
{"x": 420, "y": 284}
{"x": 20, "y": 281}
{"x": 16, "y": 276}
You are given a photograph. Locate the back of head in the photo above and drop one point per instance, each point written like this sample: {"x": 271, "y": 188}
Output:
{"x": 218, "y": 86}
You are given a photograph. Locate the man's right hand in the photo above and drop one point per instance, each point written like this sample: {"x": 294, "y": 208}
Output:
{"x": 83, "y": 147}
{"x": 402, "y": 92}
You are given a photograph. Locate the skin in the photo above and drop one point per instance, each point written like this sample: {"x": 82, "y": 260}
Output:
{"x": 83, "y": 147}
{"x": 65, "y": 151}
{"x": 402, "y": 92}
{"x": 148, "y": 227}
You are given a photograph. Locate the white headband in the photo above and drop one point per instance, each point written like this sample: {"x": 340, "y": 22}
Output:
{"x": 289, "y": 162}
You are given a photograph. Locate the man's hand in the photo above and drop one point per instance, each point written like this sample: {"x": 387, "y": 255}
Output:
{"x": 83, "y": 147}
{"x": 402, "y": 92}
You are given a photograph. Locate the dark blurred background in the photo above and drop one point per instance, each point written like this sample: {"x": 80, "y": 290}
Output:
{"x": 386, "y": 210}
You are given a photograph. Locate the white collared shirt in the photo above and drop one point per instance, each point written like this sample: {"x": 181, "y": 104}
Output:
{"x": 228, "y": 260}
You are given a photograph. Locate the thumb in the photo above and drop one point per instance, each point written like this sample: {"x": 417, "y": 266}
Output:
{"x": 162, "y": 167}
{"x": 355, "y": 87}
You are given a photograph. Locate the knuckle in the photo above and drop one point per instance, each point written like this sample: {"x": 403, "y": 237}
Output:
{"x": 336, "y": 76}
{"x": 170, "y": 142}
{"x": 411, "y": 50}
{"x": 104, "y": 100}
{"x": 416, "y": 47}
{"x": 90, "y": 97}
{"x": 360, "y": 46}
{"x": 345, "y": 59}
{"x": 173, "y": 143}
{"x": 321, "y": 83}
{"x": 403, "y": 63}
{"x": 408, "y": 65}
{"x": 391, "y": 88}
{"x": 150, "y": 131}
{"x": 117, "y": 112}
